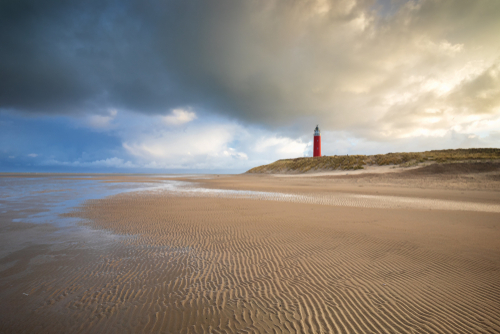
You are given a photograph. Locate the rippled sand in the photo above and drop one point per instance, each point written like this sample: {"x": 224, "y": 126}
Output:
{"x": 252, "y": 254}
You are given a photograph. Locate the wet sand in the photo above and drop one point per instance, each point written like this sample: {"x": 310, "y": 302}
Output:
{"x": 262, "y": 254}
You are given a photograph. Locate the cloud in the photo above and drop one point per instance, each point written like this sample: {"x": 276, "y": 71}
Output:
{"x": 32, "y": 155}
{"x": 376, "y": 71}
{"x": 199, "y": 146}
{"x": 480, "y": 94}
{"x": 101, "y": 121}
{"x": 166, "y": 145}
{"x": 281, "y": 145}
{"x": 109, "y": 162}
{"x": 231, "y": 152}
{"x": 141, "y": 143}
{"x": 179, "y": 116}
{"x": 207, "y": 143}
{"x": 263, "y": 62}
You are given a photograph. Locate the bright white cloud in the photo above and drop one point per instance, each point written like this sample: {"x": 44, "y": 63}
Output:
{"x": 179, "y": 117}
{"x": 207, "y": 143}
{"x": 202, "y": 145}
{"x": 282, "y": 146}
{"x": 231, "y": 152}
{"x": 169, "y": 145}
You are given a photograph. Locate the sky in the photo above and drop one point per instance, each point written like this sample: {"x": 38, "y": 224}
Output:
{"x": 221, "y": 86}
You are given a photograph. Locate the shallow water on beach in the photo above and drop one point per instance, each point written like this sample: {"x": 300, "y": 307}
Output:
{"x": 43, "y": 199}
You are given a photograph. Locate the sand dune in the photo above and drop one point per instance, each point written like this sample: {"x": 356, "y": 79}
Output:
{"x": 229, "y": 261}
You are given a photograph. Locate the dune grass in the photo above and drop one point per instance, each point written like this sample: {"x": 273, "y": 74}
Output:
{"x": 353, "y": 162}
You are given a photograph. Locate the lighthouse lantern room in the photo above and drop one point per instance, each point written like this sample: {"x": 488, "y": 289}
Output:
{"x": 317, "y": 142}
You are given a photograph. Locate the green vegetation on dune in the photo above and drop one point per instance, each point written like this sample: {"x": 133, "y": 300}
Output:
{"x": 352, "y": 162}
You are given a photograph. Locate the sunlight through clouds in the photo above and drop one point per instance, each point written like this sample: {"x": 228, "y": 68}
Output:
{"x": 246, "y": 81}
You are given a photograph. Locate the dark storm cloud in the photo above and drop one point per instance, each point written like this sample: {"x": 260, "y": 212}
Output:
{"x": 147, "y": 56}
{"x": 66, "y": 57}
{"x": 274, "y": 62}
{"x": 34, "y": 73}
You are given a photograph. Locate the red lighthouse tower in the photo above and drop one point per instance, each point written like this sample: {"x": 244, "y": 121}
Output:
{"x": 317, "y": 142}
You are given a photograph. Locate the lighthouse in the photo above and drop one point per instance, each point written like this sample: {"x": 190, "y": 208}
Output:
{"x": 317, "y": 142}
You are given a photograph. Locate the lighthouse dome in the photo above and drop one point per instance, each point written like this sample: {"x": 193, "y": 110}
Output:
{"x": 317, "y": 132}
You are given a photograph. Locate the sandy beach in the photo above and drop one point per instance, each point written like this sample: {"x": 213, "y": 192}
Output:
{"x": 400, "y": 252}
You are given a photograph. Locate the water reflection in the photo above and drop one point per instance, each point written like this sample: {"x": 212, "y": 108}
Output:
{"x": 43, "y": 199}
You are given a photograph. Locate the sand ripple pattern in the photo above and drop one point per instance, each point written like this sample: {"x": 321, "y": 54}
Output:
{"x": 213, "y": 262}
{"x": 333, "y": 199}
{"x": 209, "y": 265}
